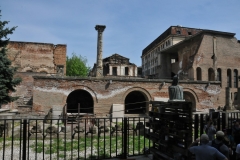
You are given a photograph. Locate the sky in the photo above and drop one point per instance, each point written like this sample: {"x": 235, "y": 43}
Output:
{"x": 131, "y": 25}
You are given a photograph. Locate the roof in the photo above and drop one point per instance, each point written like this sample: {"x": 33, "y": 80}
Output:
{"x": 173, "y": 47}
{"x": 116, "y": 55}
{"x": 168, "y": 32}
{"x": 164, "y": 35}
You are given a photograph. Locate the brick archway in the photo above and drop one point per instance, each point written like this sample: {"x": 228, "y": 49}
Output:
{"x": 136, "y": 101}
{"x": 81, "y": 97}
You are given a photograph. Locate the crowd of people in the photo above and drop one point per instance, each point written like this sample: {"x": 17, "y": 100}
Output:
{"x": 221, "y": 145}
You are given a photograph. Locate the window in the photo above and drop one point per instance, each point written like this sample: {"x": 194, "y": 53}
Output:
{"x": 189, "y": 33}
{"x": 114, "y": 71}
{"x": 229, "y": 78}
{"x": 178, "y": 32}
{"x": 235, "y": 95}
{"x": 199, "y": 74}
{"x": 219, "y": 74}
{"x": 172, "y": 60}
{"x": 126, "y": 71}
{"x": 235, "y": 79}
{"x": 211, "y": 75}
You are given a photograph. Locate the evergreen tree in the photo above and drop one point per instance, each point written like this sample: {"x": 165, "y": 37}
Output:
{"x": 7, "y": 81}
{"x": 77, "y": 66}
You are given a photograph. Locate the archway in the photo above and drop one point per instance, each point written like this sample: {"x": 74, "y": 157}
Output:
{"x": 81, "y": 97}
{"x": 135, "y": 103}
{"x": 189, "y": 97}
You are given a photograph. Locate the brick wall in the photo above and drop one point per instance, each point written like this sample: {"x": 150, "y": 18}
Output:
{"x": 50, "y": 91}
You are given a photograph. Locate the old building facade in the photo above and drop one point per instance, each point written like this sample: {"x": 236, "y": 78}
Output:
{"x": 205, "y": 56}
{"x": 151, "y": 57}
{"x": 96, "y": 95}
{"x": 117, "y": 65}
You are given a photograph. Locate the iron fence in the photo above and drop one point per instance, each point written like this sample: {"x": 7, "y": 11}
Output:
{"x": 86, "y": 138}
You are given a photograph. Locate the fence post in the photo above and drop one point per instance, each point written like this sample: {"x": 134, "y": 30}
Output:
{"x": 224, "y": 120}
{"x": 196, "y": 125}
{"x": 24, "y": 149}
{"x": 125, "y": 138}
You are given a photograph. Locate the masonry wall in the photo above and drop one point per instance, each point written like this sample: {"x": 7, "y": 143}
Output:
{"x": 36, "y": 57}
{"x": 50, "y": 92}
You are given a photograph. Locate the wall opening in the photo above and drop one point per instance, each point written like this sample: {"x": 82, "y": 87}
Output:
{"x": 135, "y": 103}
{"x": 79, "y": 96}
{"x": 219, "y": 74}
{"x": 229, "y": 78}
{"x": 114, "y": 71}
{"x": 189, "y": 97}
{"x": 211, "y": 75}
{"x": 199, "y": 74}
{"x": 126, "y": 71}
{"x": 235, "y": 78}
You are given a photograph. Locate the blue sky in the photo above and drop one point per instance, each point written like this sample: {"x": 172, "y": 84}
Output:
{"x": 130, "y": 24}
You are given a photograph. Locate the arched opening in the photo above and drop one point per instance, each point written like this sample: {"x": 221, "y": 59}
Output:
{"x": 135, "y": 103}
{"x": 229, "y": 78}
{"x": 219, "y": 74}
{"x": 81, "y": 97}
{"x": 199, "y": 74}
{"x": 235, "y": 72}
{"x": 211, "y": 75}
{"x": 189, "y": 97}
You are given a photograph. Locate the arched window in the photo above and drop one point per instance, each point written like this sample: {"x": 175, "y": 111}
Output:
{"x": 211, "y": 75}
{"x": 235, "y": 78}
{"x": 219, "y": 74}
{"x": 199, "y": 74}
{"x": 229, "y": 78}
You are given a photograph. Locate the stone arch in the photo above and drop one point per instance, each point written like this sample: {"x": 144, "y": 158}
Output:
{"x": 190, "y": 96}
{"x": 82, "y": 97}
{"x": 136, "y": 101}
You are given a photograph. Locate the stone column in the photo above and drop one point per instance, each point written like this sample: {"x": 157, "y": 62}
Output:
{"x": 99, "y": 70}
{"x": 228, "y": 99}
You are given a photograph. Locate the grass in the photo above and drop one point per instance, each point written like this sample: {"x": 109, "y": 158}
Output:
{"x": 91, "y": 146}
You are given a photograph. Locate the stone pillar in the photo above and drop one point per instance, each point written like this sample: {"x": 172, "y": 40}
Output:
{"x": 228, "y": 99}
{"x": 99, "y": 70}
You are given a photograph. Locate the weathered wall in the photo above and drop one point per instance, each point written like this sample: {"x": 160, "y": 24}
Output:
{"x": 50, "y": 92}
{"x": 37, "y": 57}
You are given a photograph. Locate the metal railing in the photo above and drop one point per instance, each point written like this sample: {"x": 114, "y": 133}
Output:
{"x": 86, "y": 138}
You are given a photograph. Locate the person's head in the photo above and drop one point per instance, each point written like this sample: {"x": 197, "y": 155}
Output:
{"x": 204, "y": 139}
{"x": 220, "y": 135}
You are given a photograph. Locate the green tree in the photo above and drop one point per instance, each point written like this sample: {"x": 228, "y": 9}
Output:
{"x": 77, "y": 66}
{"x": 7, "y": 80}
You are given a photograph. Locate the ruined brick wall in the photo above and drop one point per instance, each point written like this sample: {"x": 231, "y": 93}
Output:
{"x": 33, "y": 59}
{"x": 36, "y": 57}
{"x": 49, "y": 91}
{"x": 227, "y": 57}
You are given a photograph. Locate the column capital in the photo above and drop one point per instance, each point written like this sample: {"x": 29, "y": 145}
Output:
{"x": 100, "y": 28}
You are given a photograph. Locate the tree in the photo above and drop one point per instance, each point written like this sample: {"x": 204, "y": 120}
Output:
{"x": 76, "y": 66}
{"x": 7, "y": 80}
